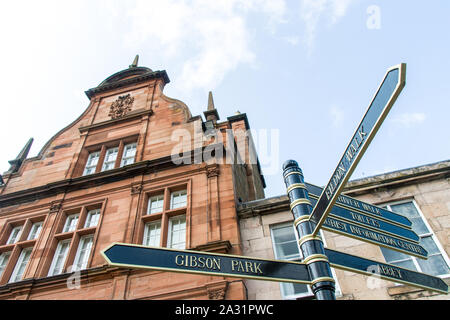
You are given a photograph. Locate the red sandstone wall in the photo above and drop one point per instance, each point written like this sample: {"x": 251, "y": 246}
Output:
{"x": 211, "y": 214}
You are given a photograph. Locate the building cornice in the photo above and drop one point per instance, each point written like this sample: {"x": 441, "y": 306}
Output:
{"x": 398, "y": 178}
{"x": 126, "y": 82}
{"x": 423, "y": 173}
{"x": 239, "y": 117}
{"x": 263, "y": 206}
{"x": 96, "y": 179}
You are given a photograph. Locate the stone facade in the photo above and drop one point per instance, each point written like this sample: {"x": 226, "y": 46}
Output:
{"x": 128, "y": 107}
{"x": 428, "y": 186}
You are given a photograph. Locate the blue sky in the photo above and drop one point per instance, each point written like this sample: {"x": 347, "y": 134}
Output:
{"x": 306, "y": 69}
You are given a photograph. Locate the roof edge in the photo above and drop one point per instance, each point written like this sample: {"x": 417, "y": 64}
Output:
{"x": 106, "y": 86}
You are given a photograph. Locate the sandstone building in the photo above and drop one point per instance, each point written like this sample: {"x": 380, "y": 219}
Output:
{"x": 111, "y": 176}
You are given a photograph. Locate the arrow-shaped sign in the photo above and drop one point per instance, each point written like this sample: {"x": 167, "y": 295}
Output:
{"x": 361, "y": 207}
{"x": 187, "y": 261}
{"x": 387, "y": 93}
{"x": 369, "y": 221}
{"x": 369, "y": 235}
{"x": 385, "y": 271}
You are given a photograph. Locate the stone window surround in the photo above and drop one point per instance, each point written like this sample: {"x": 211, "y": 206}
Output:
{"x": 401, "y": 291}
{"x": 21, "y": 243}
{"x": 429, "y": 234}
{"x": 166, "y": 213}
{"x": 74, "y": 236}
{"x": 102, "y": 148}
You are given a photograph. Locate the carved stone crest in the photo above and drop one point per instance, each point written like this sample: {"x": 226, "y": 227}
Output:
{"x": 121, "y": 106}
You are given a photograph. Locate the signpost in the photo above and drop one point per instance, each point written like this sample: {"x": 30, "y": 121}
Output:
{"x": 332, "y": 211}
{"x": 354, "y": 231}
{"x": 354, "y": 218}
{"x": 387, "y": 93}
{"x": 385, "y": 271}
{"x": 137, "y": 256}
{"x": 367, "y": 221}
{"x": 361, "y": 207}
{"x": 310, "y": 246}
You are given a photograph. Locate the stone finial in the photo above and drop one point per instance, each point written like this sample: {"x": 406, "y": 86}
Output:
{"x": 210, "y": 101}
{"x": 211, "y": 112}
{"x": 17, "y": 162}
{"x": 135, "y": 62}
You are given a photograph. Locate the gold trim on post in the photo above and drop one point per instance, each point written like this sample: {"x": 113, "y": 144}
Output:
{"x": 315, "y": 258}
{"x": 300, "y": 201}
{"x": 301, "y": 219}
{"x": 295, "y": 186}
{"x": 308, "y": 237}
{"x": 293, "y": 172}
{"x": 320, "y": 279}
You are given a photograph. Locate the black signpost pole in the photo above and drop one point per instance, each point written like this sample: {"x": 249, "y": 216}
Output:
{"x": 311, "y": 246}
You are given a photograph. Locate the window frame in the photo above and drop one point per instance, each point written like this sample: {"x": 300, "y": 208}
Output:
{"x": 18, "y": 235}
{"x": 4, "y": 261}
{"x": 22, "y": 241}
{"x": 147, "y": 230}
{"x": 309, "y": 294}
{"x": 165, "y": 214}
{"x": 86, "y": 257}
{"x": 102, "y": 149}
{"x": 18, "y": 265}
{"x": 170, "y": 232}
{"x": 68, "y": 217}
{"x": 430, "y": 233}
{"x": 124, "y": 154}
{"x": 86, "y": 167}
{"x": 51, "y": 271}
{"x": 183, "y": 192}
{"x": 89, "y": 216}
{"x": 76, "y": 235}
{"x": 37, "y": 233}
{"x": 106, "y": 161}
{"x": 150, "y": 201}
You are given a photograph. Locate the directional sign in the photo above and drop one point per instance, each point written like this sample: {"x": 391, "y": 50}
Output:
{"x": 355, "y": 231}
{"x": 387, "y": 93}
{"x": 362, "y": 207}
{"x": 187, "y": 261}
{"x": 385, "y": 271}
{"x": 371, "y": 222}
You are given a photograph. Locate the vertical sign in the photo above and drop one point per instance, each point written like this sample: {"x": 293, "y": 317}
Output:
{"x": 384, "y": 98}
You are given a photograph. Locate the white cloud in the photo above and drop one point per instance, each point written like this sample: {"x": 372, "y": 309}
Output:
{"x": 312, "y": 12}
{"x": 409, "y": 119}
{"x": 211, "y": 38}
